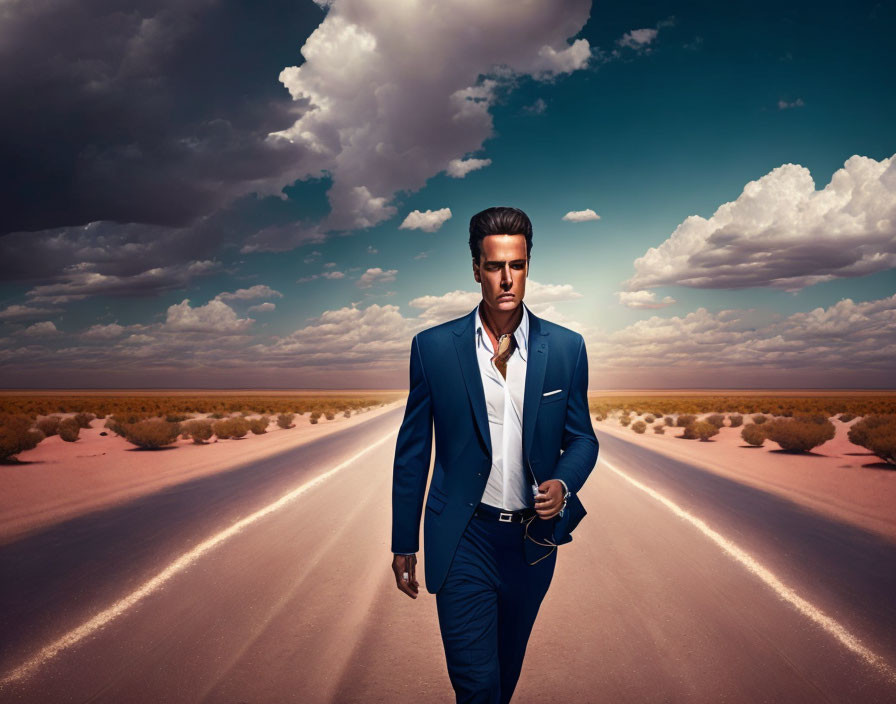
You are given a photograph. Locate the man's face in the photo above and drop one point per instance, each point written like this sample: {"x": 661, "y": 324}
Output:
{"x": 502, "y": 270}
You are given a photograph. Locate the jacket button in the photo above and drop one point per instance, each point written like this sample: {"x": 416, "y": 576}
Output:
{"x": 471, "y": 504}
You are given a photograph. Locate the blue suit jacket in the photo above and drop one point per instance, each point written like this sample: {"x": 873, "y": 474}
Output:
{"x": 446, "y": 396}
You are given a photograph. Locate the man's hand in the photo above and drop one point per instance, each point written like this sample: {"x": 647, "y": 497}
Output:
{"x": 549, "y": 500}
{"x": 406, "y": 566}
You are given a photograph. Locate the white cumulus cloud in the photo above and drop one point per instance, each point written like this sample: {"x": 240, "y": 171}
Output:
{"x": 581, "y": 215}
{"x": 249, "y": 294}
{"x": 643, "y": 299}
{"x": 458, "y": 168}
{"x": 428, "y": 220}
{"x": 859, "y": 338}
{"x": 782, "y": 233}
{"x": 214, "y": 317}
{"x": 376, "y": 275}
{"x": 41, "y": 329}
{"x": 393, "y": 96}
{"x": 104, "y": 332}
{"x": 638, "y": 38}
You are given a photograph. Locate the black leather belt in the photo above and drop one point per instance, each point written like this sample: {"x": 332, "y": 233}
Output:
{"x": 493, "y": 513}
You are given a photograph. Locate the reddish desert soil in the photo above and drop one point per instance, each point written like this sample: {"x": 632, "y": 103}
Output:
{"x": 653, "y": 393}
{"x": 59, "y": 480}
{"x": 201, "y": 392}
{"x": 837, "y": 478}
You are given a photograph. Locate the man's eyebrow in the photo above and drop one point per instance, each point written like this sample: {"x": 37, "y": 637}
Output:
{"x": 515, "y": 261}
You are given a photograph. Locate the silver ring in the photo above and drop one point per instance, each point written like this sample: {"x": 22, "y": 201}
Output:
{"x": 404, "y": 576}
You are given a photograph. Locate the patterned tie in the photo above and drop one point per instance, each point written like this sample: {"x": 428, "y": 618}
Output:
{"x": 506, "y": 346}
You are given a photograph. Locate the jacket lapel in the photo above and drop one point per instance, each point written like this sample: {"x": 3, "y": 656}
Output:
{"x": 464, "y": 343}
{"x": 535, "y": 367}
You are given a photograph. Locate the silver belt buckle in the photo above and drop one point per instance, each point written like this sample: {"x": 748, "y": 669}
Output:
{"x": 508, "y": 519}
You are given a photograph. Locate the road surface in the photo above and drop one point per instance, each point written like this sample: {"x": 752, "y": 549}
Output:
{"x": 272, "y": 583}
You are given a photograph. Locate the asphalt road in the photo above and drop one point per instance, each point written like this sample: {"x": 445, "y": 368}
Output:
{"x": 679, "y": 586}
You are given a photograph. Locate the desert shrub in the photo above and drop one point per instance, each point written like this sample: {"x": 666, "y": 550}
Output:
{"x": 216, "y": 415}
{"x": 68, "y": 429}
{"x": 882, "y": 442}
{"x": 876, "y": 433}
{"x": 670, "y": 421}
{"x": 599, "y": 416}
{"x": 700, "y": 430}
{"x": 639, "y": 426}
{"x": 17, "y": 434}
{"x": 716, "y": 419}
{"x": 753, "y": 434}
{"x": 649, "y": 418}
{"x": 659, "y": 429}
{"x": 858, "y": 433}
{"x": 818, "y": 418}
{"x": 685, "y": 420}
{"x": 846, "y": 417}
{"x": 199, "y": 429}
{"x": 284, "y": 420}
{"x": 736, "y": 420}
{"x": 176, "y": 417}
{"x": 151, "y": 433}
{"x": 799, "y": 434}
{"x": 259, "y": 426}
{"x": 347, "y": 414}
{"x": 83, "y": 419}
{"x": 230, "y": 427}
{"x": 113, "y": 424}
{"x": 117, "y": 423}
{"x": 759, "y": 419}
{"x": 329, "y": 415}
{"x": 49, "y": 426}
{"x": 625, "y": 420}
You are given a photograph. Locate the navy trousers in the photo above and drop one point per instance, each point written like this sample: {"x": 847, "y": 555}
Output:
{"x": 487, "y": 607}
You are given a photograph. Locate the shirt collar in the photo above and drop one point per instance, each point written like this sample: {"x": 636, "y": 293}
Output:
{"x": 521, "y": 334}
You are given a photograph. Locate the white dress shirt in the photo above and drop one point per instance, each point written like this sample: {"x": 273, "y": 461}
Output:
{"x": 508, "y": 484}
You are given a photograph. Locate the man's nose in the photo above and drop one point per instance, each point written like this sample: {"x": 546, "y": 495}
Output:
{"x": 506, "y": 277}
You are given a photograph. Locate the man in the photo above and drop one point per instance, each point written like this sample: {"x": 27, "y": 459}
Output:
{"x": 505, "y": 393}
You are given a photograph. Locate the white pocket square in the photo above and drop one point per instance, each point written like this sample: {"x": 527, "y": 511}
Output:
{"x": 551, "y": 393}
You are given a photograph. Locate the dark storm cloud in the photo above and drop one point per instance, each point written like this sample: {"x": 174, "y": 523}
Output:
{"x": 152, "y": 112}
{"x": 113, "y": 250}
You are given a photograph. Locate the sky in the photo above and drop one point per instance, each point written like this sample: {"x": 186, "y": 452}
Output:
{"x": 222, "y": 194}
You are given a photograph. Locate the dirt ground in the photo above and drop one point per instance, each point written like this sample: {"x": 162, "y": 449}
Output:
{"x": 837, "y": 478}
{"x": 58, "y": 480}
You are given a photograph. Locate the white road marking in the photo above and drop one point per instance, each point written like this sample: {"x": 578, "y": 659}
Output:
{"x": 179, "y": 565}
{"x": 767, "y": 576}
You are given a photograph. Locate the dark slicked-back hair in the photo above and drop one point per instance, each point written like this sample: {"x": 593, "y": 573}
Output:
{"x": 499, "y": 221}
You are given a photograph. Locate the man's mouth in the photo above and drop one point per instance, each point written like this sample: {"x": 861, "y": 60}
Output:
{"x": 505, "y": 295}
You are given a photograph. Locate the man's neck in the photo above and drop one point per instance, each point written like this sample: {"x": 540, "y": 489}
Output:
{"x": 500, "y": 323}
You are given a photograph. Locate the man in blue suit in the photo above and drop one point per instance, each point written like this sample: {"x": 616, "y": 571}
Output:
{"x": 505, "y": 393}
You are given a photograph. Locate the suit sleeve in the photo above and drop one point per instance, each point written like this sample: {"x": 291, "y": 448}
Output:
{"x": 579, "y": 442}
{"x": 413, "y": 451}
